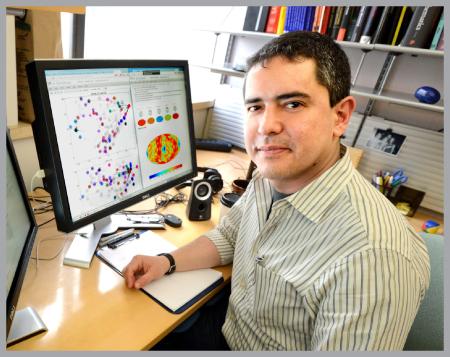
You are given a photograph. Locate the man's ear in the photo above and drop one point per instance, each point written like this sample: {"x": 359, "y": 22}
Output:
{"x": 343, "y": 111}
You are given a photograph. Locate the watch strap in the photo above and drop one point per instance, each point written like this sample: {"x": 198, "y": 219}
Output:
{"x": 171, "y": 261}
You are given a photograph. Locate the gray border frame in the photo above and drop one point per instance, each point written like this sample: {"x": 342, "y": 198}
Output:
{"x": 4, "y": 3}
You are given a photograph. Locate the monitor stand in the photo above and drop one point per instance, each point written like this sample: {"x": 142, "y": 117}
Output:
{"x": 26, "y": 323}
{"x": 83, "y": 246}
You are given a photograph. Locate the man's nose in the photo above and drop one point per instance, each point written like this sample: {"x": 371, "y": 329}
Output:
{"x": 270, "y": 121}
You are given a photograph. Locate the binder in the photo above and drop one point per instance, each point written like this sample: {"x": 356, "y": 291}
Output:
{"x": 175, "y": 292}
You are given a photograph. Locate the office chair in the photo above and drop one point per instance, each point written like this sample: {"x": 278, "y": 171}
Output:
{"x": 427, "y": 331}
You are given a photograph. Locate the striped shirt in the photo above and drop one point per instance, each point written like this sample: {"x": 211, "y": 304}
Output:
{"x": 335, "y": 266}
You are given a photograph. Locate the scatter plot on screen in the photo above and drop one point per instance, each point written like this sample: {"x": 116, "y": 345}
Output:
{"x": 99, "y": 124}
{"x": 109, "y": 180}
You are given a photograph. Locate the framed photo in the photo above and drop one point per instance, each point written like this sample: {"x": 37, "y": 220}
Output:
{"x": 386, "y": 140}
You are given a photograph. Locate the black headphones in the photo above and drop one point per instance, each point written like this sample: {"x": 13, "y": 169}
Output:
{"x": 213, "y": 177}
{"x": 210, "y": 175}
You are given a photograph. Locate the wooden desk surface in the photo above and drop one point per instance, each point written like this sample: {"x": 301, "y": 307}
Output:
{"x": 92, "y": 309}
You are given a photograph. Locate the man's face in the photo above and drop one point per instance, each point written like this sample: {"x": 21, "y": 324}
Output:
{"x": 291, "y": 132}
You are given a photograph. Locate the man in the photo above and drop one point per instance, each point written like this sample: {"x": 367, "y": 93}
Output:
{"x": 321, "y": 259}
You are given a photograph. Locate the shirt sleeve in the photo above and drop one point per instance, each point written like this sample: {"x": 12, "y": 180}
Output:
{"x": 366, "y": 303}
{"x": 225, "y": 233}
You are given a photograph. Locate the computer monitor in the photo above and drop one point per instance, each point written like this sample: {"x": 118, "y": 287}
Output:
{"x": 109, "y": 133}
{"x": 21, "y": 231}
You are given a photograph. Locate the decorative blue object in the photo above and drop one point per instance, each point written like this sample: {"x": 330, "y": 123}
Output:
{"x": 427, "y": 95}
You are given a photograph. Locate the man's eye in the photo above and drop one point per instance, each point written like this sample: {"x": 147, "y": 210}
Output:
{"x": 293, "y": 105}
{"x": 253, "y": 108}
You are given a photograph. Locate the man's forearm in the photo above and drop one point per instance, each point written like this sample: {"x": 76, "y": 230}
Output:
{"x": 201, "y": 253}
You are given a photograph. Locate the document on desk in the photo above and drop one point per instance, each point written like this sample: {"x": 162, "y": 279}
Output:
{"x": 175, "y": 292}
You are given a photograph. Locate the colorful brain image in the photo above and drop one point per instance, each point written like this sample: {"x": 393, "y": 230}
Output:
{"x": 163, "y": 148}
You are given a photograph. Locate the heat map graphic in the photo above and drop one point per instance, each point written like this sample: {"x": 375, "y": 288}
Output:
{"x": 163, "y": 148}
{"x": 112, "y": 181}
{"x": 108, "y": 113}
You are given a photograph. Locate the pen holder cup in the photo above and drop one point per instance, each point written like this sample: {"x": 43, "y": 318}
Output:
{"x": 239, "y": 186}
{"x": 409, "y": 196}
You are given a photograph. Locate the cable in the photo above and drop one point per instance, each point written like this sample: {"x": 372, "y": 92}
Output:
{"x": 161, "y": 200}
{"x": 45, "y": 205}
{"x": 54, "y": 256}
{"x": 237, "y": 165}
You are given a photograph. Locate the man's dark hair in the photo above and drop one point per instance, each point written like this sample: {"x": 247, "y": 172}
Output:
{"x": 333, "y": 69}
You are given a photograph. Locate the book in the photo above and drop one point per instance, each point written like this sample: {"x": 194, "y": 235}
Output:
{"x": 331, "y": 20}
{"x": 437, "y": 33}
{"x": 289, "y": 19}
{"x": 317, "y": 18}
{"x": 175, "y": 292}
{"x": 352, "y": 22}
{"x": 281, "y": 20}
{"x": 302, "y": 24}
{"x": 292, "y": 18}
{"x": 309, "y": 17}
{"x": 272, "y": 20}
{"x": 324, "y": 19}
{"x": 386, "y": 24}
{"x": 402, "y": 25}
{"x": 370, "y": 26}
{"x": 344, "y": 24}
{"x": 440, "y": 45}
{"x": 421, "y": 28}
{"x": 251, "y": 17}
{"x": 337, "y": 21}
{"x": 262, "y": 18}
{"x": 360, "y": 23}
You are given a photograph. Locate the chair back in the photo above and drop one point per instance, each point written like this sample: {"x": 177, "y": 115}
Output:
{"x": 427, "y": 331}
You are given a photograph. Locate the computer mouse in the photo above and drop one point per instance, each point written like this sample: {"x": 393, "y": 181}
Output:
{"x": 172, "y": 220}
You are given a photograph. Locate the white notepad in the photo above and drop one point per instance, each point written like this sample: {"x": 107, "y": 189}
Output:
{"x": 177, "y": 291}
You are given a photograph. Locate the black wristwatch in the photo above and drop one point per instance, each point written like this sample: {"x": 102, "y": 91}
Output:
{"x": 171, "y": 261}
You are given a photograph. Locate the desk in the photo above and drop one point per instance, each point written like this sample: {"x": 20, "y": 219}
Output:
{"x": 92, "y": 309}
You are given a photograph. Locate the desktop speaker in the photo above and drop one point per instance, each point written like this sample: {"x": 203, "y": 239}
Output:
{"x": 199, "y": 205}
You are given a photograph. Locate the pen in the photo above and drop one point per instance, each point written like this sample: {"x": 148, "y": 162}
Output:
{"x": 109, "y": 239}
{"x": 122, "y": 240}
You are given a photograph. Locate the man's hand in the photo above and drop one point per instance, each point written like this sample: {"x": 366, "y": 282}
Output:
{"x": 143, "y": 269}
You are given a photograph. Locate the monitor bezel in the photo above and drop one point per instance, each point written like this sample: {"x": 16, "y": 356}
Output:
{"x": 54, "y": 177}
{"x": 22, "y": 266}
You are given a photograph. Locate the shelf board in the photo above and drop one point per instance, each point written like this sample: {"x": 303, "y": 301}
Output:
{"x": 345, "y": 44}
{"x": 222, "y": 70}
{"x": 253, "y": 34}
{"x": 397, "y": 98}
{"x": 72, "y": 9}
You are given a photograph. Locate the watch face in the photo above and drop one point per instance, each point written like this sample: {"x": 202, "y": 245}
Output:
{"x": 171, "y": 269}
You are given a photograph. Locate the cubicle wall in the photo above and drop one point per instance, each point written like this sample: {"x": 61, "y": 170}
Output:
{"x": 226, "y": 119}
{"x": 421, "y": 156}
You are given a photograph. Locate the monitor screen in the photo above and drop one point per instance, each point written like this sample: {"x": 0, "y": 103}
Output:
{"x": 110, "y": 133}
{"x": 20, "y": 232}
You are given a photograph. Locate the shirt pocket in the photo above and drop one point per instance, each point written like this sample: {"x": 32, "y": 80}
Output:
{"x": 276, "y": 303}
